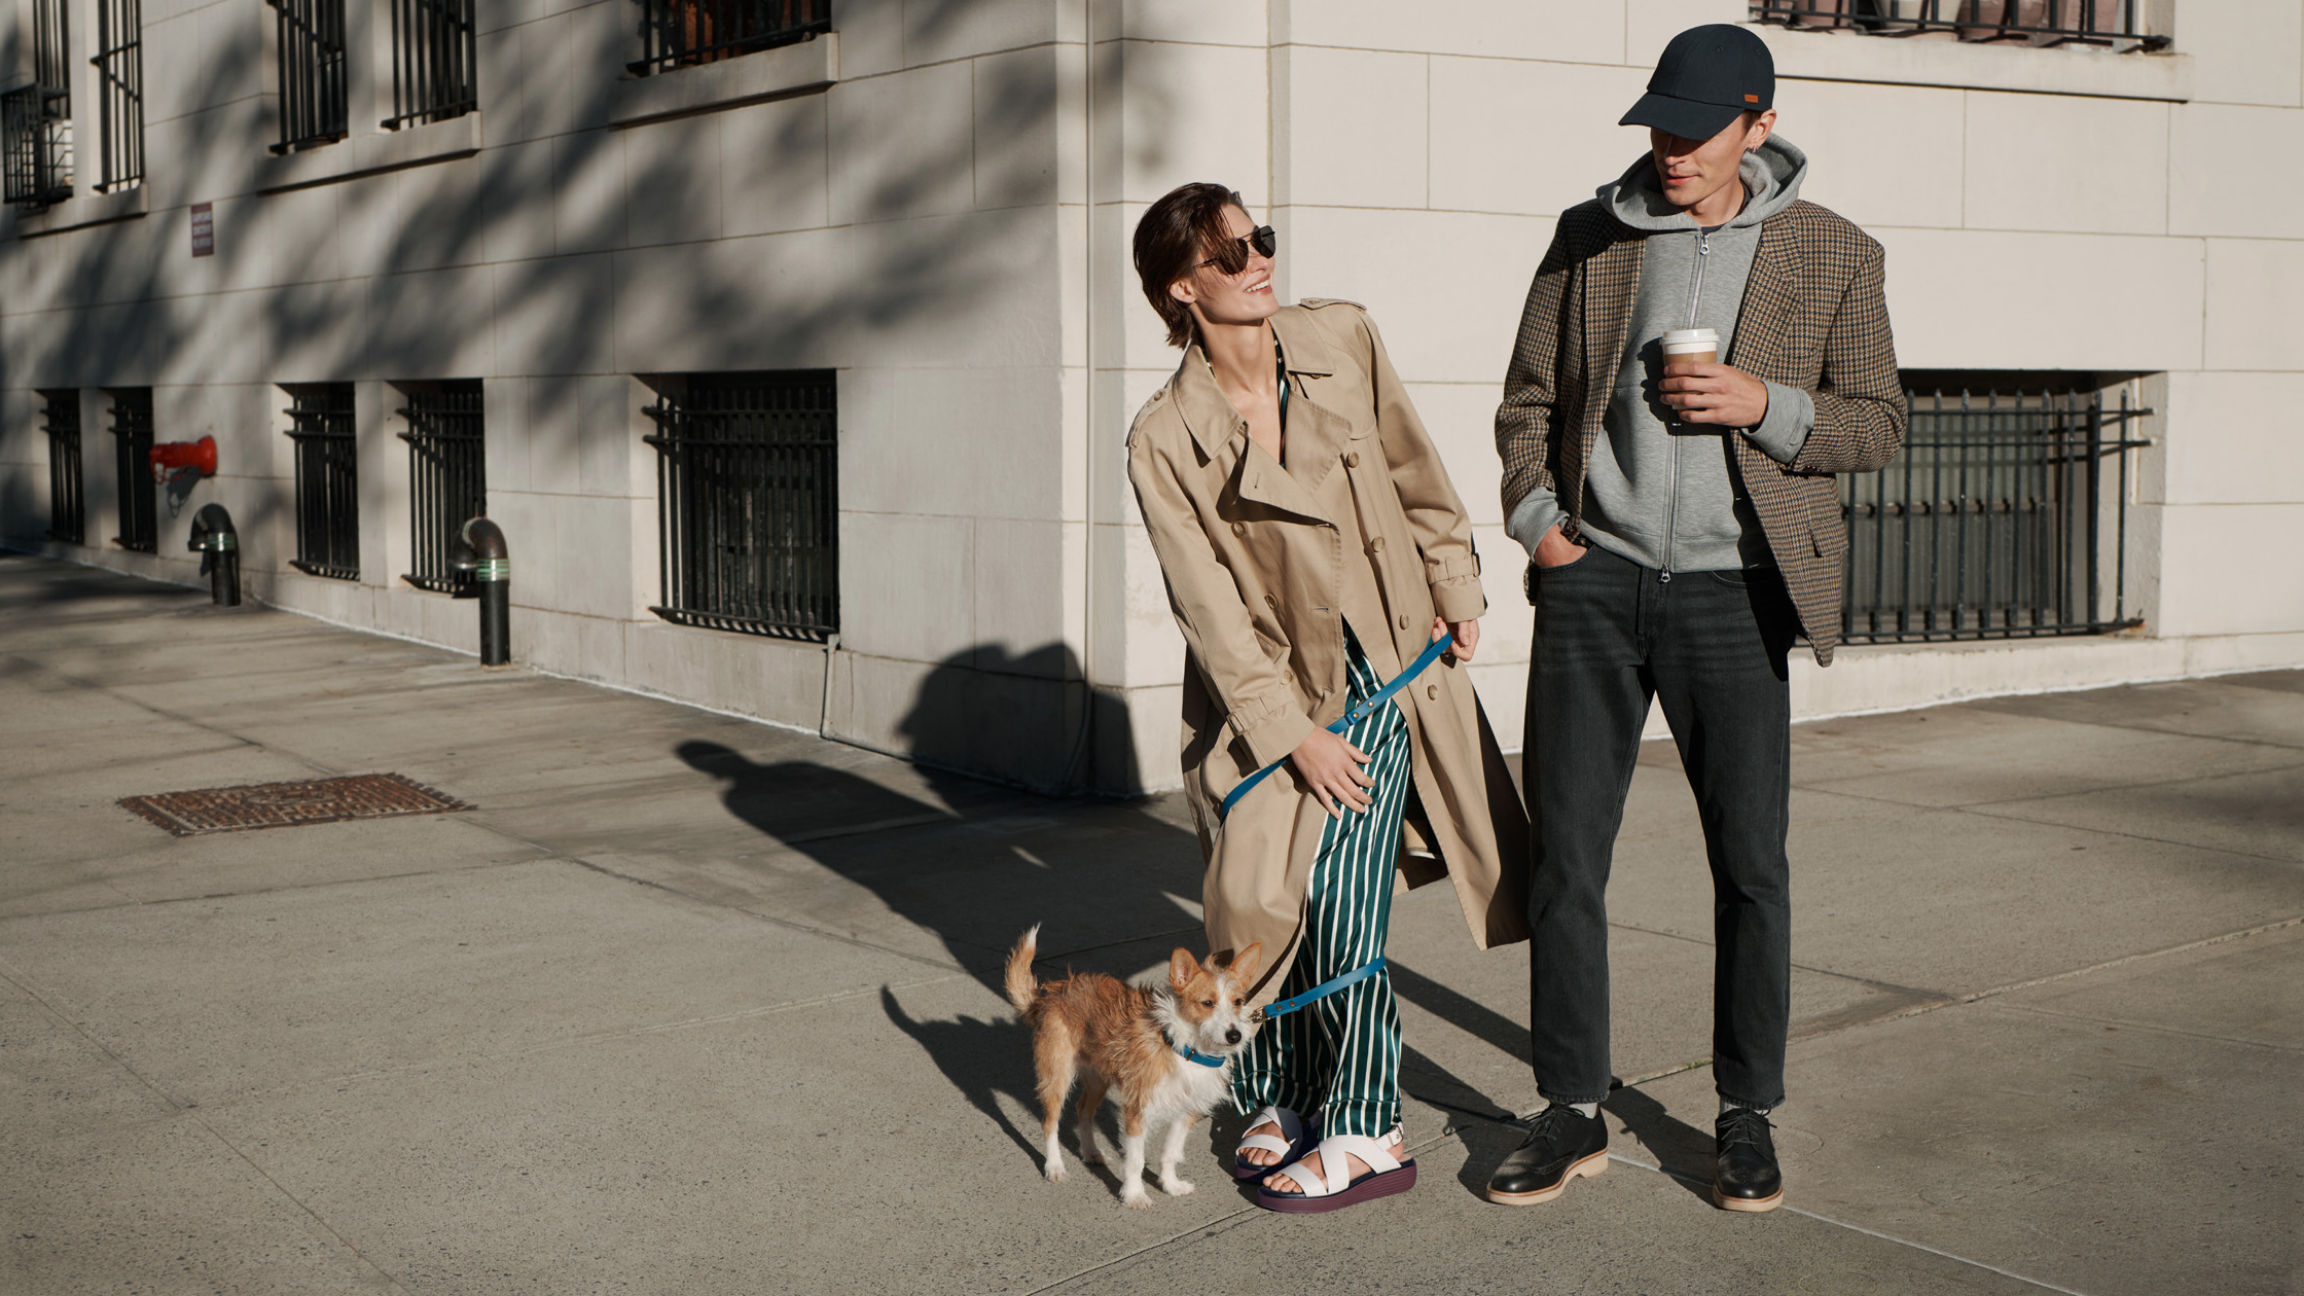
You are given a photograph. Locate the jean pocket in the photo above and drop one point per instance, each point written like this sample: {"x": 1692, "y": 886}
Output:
{"x": 1733, "y": 578}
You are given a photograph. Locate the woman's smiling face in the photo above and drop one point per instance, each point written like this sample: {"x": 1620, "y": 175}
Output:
{"x": 1220, "y": 298}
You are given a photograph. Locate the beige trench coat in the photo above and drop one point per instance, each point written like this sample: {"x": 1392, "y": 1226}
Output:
{"x": 1264, "y": 565}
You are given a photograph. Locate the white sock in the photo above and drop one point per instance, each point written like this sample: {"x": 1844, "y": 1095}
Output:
{"x": 1585, "y": 1110}
{"x": 1727, "y": 1107}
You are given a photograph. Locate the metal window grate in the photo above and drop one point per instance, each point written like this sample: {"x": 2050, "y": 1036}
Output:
{"x": 435, "y": 57}
{"x": 132, "y": 439}
{"x": 313, "y": 104}
{"x": 120, "y": 85}
{"x": 327, "y": 481}
{"x": 747, "y": 498}
{"x": 67, "y": 497}
{"x": 2118, "y": 23}
{"x": 36, "y": 120}
{"x": 447, "y": 473}
{"x": 683, "y": 33}
{"x": 2000, "y": 519}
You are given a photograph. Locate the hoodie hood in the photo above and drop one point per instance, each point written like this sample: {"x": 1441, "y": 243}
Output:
{"x": 1771, "y": 173}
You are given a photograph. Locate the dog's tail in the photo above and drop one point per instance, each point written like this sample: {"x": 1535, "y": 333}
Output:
{"x": 1023, "y": 987}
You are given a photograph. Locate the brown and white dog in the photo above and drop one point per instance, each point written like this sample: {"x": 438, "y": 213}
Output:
{"x": 1131, "y": 1043}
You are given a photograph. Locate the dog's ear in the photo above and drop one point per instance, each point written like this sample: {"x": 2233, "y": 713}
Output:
{"x": 1249, "y": 961}
{"x": 1182, "y": 967}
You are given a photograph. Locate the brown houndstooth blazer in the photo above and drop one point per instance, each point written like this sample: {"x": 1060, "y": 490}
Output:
{"x": 1813, "y": 317}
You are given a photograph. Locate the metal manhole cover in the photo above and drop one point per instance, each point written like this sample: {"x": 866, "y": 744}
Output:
{"x": 285, "y": 805}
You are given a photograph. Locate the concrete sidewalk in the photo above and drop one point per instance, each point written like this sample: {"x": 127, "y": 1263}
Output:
{"x": 688, "y": 1005}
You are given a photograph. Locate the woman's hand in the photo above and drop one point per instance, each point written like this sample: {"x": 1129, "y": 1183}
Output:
{"x": 1465, "y": 633}
{"x": 1331, "y": 767}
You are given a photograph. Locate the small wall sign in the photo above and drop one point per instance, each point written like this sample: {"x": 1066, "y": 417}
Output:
{"x": 203, "y": 229}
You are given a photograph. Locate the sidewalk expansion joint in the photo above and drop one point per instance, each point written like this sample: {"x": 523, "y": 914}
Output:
{"x": 1692, "y": 1181}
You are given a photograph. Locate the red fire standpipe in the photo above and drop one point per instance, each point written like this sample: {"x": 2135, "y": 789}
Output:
{"x": 174, "y": 456}
{"x": 479, "y": 549}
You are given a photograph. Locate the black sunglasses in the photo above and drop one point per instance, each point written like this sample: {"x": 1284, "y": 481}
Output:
{"x": 1232, "y": 255}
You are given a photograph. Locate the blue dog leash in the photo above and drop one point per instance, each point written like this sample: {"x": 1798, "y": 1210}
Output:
{"x": 1283, "y": 1007}
{"x": 1347, "y": 720}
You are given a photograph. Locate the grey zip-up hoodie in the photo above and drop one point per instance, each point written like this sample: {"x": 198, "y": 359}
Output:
{"x": 1670, "y": 501}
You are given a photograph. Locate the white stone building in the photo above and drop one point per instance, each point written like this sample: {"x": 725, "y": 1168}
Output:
{"x": 915, "y": 224}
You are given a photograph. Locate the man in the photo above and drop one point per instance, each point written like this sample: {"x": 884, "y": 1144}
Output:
{"x": 1683, "y": 526}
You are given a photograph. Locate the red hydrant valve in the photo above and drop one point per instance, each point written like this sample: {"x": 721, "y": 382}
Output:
{"x": 175, "y": 456}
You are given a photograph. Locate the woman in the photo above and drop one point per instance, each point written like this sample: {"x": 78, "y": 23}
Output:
{"x": 1313, "y": 548}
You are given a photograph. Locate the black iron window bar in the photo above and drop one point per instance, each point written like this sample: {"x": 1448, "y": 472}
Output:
{"x": 2000, "y": 519}
{"x": 314, "y": 108}
{"x": 682, "y": 33}
{"x": 748, "y": 503}
{"x": 435, "y": 57}
{"x": 67, "y": 495}
{"x": 120, "y": 86}
{"x": 36, "y": 120}
{"x": 2035, "y": 22}
{"x": 447, "y": 475}
{"x": 132, "y": 440}
{"x": 327, "y": 481}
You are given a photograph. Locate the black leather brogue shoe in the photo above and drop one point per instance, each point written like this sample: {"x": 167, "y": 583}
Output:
{"x": 1746, "y": 1177}
{"x": 1561, "y": 1144}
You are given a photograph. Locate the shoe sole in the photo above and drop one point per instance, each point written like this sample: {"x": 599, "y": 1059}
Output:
{"x": 1588, "y": 1168}
{"x": 1755, "y": 1205}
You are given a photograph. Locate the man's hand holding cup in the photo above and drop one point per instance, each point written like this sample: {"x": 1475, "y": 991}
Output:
{"x": 1701, "y": 390}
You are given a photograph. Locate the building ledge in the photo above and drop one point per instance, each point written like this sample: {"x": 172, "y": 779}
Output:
{"x": 1894, "y": 60}
{"x": 802, "y": 68}
{"x": 84, "y": 211}
{"x": 364, "y": 155}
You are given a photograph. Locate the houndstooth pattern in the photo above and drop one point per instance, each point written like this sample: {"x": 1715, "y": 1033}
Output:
{"x": 1814, "y": 316}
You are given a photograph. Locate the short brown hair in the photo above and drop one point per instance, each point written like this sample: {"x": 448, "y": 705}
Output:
{"x": 1172, "y": 239}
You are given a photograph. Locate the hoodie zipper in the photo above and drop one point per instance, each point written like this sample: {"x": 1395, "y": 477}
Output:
{"x": 1672, "y": 474}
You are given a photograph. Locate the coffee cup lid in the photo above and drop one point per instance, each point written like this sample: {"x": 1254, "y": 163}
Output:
{"x": 1673, "y": 336}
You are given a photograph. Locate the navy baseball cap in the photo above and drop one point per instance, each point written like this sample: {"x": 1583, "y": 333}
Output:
{"x": 1708, "y": 75}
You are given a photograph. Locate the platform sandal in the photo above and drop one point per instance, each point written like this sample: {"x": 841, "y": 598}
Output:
{"x": 1300, "y": 1135}
{"x": 1331, "y": 1189}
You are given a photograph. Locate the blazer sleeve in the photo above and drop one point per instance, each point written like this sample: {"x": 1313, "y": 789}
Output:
{"x": 1860, "y": 408}
{"x": 1530, "y": 411}
{"x": 1435, "y": 514}
{"x": 1258, "y": 703}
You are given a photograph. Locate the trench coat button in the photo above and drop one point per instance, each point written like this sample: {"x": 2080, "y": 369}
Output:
{"x": 1432, "y": 691}
{"x": 1352, "y": 459}
{"x": 1376, "y": 545}
{"x": 1271, "y": 602}
{"x": 1239, "y": 528}
{"x": 1403, "y": 620}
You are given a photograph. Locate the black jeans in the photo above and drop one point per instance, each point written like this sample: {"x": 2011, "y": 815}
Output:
{"x": 1710, "y": 647}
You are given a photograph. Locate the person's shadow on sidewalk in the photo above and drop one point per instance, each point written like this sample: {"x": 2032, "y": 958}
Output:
{"x": 1681, "y": 1150}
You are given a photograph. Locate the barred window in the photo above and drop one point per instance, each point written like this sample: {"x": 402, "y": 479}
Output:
{"x": 327, "y": 480}
{"x": 36, "y": 120}
{"x": 67, "y": 501}
{"x": 747, "y": 501}
{"x": 313, "y": 101}
{"x": 447, "y": 476}
{"x": 2005, "y": 516}
{"x": 434, "y": 62}
{"x": 683, "y": 33}
{"x": 2118, "y": 24}
{"x": 132, "y": 440}
{"x": 120, "y": 87}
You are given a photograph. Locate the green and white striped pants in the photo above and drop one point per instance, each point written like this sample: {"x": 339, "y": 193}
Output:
{"x": 1340, "y": 1056}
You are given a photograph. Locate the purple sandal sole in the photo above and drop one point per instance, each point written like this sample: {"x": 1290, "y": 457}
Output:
{"x": 1368, "y": 1187}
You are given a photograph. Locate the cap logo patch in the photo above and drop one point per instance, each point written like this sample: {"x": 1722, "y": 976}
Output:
{"x": 1751, "y": 98}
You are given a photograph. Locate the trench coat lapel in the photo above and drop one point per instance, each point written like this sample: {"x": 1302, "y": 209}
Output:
{"x": 1215, "y": 426}
{"x": 1316, "y": 434}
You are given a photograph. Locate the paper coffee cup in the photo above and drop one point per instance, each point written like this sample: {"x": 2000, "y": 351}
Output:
{"x": 1692, "y": 346}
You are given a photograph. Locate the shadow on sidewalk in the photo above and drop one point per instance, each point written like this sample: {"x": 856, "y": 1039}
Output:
{"x": 1681, "y": 1150}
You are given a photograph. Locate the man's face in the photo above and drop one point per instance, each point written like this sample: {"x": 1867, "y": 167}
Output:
{"x": 1694, "y": 170}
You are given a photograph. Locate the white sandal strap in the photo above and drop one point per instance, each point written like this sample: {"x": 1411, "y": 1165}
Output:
{"x": 1335, "y": 1171}
{"x": 1291, "y": 1128}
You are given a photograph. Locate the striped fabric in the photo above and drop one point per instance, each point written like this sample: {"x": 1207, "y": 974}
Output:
{"x": 1814, "y": 316}
{"x": 1340, "y": 1056}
